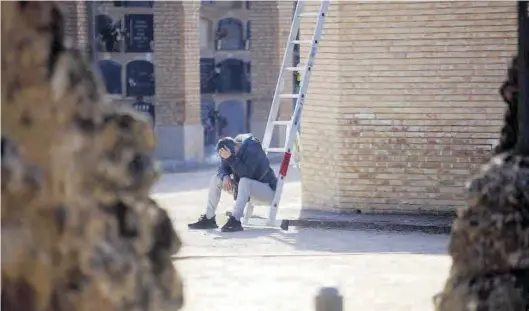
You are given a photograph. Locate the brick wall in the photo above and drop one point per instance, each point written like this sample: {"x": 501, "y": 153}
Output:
{"x": 265, "y": 61}
{"x": 403, "y": 106}
{"x": 176, "y": 60}
{"x": 271, "y": 22}
{"x": 168, "y": 65}
{"x": 320, "y": 183}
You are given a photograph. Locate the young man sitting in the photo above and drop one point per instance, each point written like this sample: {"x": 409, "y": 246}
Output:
{"x": 253, "y": 179}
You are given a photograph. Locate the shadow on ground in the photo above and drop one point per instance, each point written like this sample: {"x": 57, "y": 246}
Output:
{"x": 184, "y": 196}
{"x": 311, "y": 240}
{"x": 197, "y": 180}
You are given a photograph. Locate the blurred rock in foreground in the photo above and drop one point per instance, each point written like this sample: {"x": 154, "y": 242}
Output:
{"x": 79, "y": 231}
{"x": 490, "y": 238}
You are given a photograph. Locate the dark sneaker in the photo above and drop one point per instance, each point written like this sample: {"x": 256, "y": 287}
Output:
{"x": 204, "y": 223}
{"x": 233, "y": 225}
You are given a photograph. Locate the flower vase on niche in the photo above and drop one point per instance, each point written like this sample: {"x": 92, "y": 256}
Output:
{"x": 219, "y": 35}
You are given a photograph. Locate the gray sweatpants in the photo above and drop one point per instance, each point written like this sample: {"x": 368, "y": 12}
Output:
{"x": 251, "y": 189}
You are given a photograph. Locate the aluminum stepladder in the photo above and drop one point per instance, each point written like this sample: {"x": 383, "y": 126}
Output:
{"x": 292, "y": 130}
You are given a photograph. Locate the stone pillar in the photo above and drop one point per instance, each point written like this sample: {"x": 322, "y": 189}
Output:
{"x": 179, "y": 131}
{"x": 265, "y": 64}
{"x": 190, "y": 49}
{"x": 76, "y": 25}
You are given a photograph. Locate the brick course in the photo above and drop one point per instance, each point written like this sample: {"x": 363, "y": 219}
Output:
{"x": 76, "y": 23}
{"x": 403, "y": 105}
{"x": 271, "y": 21}
{"x": 176, "y": 61}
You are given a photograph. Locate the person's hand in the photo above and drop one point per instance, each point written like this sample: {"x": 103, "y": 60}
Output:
{"x": 224, "y": 153}
{"x": 227, "y": 183}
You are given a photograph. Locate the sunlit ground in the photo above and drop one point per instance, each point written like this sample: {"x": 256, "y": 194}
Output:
{"x": 268, "y": 269}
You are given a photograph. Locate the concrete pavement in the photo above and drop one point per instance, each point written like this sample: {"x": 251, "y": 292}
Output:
{"x": 268, "y": 269}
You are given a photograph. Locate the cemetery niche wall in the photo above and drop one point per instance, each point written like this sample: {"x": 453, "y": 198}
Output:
{"x": 232, "y": 76}
{"x": 140, "y": 78}
{"x": 120, "y": 35}
{"x": 134, "y": 4}
{"x": 230, "y": 34}
{"x": 139, "y": 33}
{"x": 233, "y": 111}
{"x": 111, "y": 71}
{"x": 108, "y": 34}
{"x": 208, "y": 75}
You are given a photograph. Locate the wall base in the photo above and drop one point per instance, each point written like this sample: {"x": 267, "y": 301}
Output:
{"x": 180, "y": 143}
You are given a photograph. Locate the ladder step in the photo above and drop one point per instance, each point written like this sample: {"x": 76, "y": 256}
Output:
{"x": 301, "y": 41}
{"x": 295, "y": 96}
{"x": 310, "y": 14}
{"x": 296, "y": 68}
{"x": 275, "y": 150}
{"x": 281, "y": 122}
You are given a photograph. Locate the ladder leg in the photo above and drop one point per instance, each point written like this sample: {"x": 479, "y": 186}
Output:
{"x": 287, "y": 57}
{"x": 292, "y": 145}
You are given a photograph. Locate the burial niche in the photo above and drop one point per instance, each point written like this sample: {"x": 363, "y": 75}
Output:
{"x": 111, "y": 72}
{"x": 232, "y": 76}
{"x": 138, "y": 4}
{"x": 208, "y": 75}
{"x": 140, "y": 78}
{"x": 134, "y": 4}
{"x": 140, "y": 33}
{"x": 233, "y": 111}
{"x": 230, "y": 34}
{"x": 108, "y": 34}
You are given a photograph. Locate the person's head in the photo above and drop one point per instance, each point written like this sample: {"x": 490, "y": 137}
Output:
{"x": 139, "y": 98}
{"x": 229, "y": 143}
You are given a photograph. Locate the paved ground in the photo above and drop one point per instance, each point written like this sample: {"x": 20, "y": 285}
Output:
{"x": 267, "y": 269}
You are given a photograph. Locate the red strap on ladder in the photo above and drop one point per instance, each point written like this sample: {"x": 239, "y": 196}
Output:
{"x": 284, "y": 164}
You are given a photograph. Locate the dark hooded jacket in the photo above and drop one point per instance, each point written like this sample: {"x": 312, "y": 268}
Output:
{"x": 250, "y": 162}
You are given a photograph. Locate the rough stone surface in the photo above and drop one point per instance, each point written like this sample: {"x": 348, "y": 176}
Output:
{"x": 79, "y": 231}
{"x": 490, "y": 238}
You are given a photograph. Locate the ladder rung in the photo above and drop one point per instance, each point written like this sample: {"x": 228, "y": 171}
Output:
{"x": 310, "y": 14}
{"x": 296, "y": 68}
{"x": 275, "y": 150}
{"x": 281, "y": 122}
{"x": 301, "y": 41}
{"x": 295, "y": 96}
